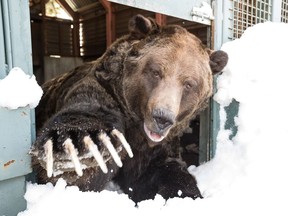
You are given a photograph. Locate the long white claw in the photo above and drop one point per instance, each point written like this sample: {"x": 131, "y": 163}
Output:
{"x": 48, "y": 147}
{"x": 124, "y": 142}
{"x": 95, "y": 152}
{"x": 106, "y": 141}
{"x": 70, "y": 149}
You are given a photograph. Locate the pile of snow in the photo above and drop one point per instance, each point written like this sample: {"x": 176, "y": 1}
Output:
{"x": 248, "y": 175}
{"x": 250, "y": 171}
{"x": 18, "y": 89}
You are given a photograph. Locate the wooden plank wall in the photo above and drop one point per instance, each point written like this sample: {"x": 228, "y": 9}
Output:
{"x": 93, "y": 27}
{"x": 94, "y": 31}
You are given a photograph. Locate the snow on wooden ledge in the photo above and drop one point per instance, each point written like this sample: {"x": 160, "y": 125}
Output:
{"x": 18, "y": 89}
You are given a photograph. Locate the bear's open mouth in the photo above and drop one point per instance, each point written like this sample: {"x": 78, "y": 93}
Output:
{"x": 154, "y": 136}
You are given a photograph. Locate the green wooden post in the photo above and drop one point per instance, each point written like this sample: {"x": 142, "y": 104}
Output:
{"x": 17, "y": 130}
{"x": 224, "y": 28}
{"x": 221, "y": 34}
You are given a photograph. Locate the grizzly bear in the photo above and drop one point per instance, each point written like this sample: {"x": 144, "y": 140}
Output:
{"x": 119, "y": 118}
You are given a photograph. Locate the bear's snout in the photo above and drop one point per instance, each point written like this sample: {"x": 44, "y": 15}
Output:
{"x": 163, "y": 119}
{"x": 157, "y": 126}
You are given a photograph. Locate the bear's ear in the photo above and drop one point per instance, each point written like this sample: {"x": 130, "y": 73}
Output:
{"x": 218, "y": 60}
{"x": 140, "y": 26}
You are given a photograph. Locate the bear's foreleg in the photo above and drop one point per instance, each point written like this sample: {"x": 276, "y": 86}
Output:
{"x": 175, "y": 181}
{"x": 170, "y": 179}
{"x": 82, "y": 134}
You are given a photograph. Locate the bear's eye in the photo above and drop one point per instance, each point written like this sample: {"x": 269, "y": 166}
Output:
{"x": 188, "y": 85}
{"x": 156, "y": 73}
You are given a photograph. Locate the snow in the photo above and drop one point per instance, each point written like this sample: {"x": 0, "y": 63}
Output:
{"x": 247, "y": 176}
{"x": 18, "y": 89}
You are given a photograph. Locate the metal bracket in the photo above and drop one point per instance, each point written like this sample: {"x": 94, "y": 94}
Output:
{"x": 179, "y": 8}
{"x": 203, "y": 14}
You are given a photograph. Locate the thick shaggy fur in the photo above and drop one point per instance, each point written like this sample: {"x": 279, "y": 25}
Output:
{"x": 154, "y": 74}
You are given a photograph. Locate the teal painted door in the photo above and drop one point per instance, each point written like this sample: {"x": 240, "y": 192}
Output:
{"x": 16, "y": 126}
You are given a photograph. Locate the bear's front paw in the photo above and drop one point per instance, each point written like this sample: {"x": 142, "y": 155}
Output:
{"x": 81, "y": 148}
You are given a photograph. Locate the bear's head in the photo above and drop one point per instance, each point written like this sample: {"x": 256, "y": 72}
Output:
{"x": 167, "y": 77}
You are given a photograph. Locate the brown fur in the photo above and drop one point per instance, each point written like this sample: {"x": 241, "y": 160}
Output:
{"x": 159, "y": 76}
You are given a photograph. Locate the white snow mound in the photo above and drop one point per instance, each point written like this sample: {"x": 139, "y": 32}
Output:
{"x": 18, "y": 89}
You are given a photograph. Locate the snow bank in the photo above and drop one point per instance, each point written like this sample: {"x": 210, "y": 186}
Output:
{"x": 248, "y": 175}
{"x": 18, "y": 89}
{"x": 250, "y": 169}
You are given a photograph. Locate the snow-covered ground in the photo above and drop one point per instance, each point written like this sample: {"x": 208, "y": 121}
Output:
{"x": 248, "y": 175}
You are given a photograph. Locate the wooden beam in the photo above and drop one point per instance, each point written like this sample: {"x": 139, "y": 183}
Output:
{"x": 160, "y": 19}
{"x": 110, "y": 22}
{"x": 75, "y": 16}
{"x": 43, "y": 35}
{"x": 76, "y": 37}
{"x": 68, "y": 9}
{"x": 87, "y": 7}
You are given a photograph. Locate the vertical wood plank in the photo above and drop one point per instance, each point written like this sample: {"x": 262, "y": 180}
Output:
{"x": 110, "y": 22}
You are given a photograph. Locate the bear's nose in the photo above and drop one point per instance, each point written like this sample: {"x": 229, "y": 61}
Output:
{"x": 163, "y": 118}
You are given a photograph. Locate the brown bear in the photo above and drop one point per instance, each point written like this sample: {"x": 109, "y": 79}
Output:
{"x": 144, "y": 91}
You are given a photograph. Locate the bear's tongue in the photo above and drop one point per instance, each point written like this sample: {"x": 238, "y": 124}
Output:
{"x": 153, "y": 136}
